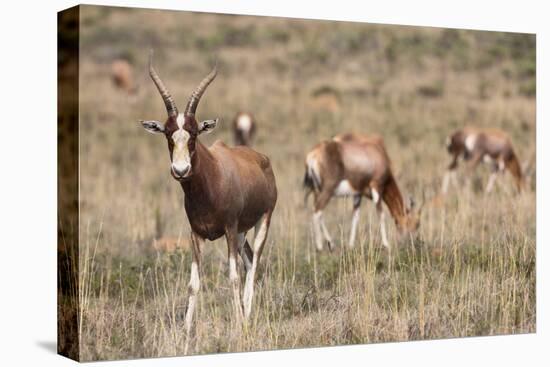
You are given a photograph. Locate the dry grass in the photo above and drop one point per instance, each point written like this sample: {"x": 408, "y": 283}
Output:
{"x": 470, "y": 271}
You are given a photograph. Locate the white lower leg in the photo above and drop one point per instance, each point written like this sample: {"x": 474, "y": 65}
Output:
{"x": 249, "y": 289}
{"x": 491, "y": 182}
{"x": 317, "y": 230}
{"x": 382, "y": 215}
{"x": 385, "y": 241}
{"x": 194, "y": 287}
{"x": 234, "y": 279}
{"x": 454, "y": 179}
{"x": 325, "y": 232}
{"x": 260, "y": 234}
{"x": 354, "y": 222}
{"x": 446, "y": 180}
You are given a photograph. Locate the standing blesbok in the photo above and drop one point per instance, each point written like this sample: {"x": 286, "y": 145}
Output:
{"x": 355, "y": 165}
{"x": 493, "y": 146}
{"x": 122, "y": 76}
{"x": 244, "y": 128}
{"x": 227, "y": 192}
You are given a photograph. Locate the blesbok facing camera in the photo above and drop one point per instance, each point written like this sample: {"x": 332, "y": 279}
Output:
{"x": 244, "y": 128}
{"x": 492, "y": 146}
{"x": 227, "y": 192}
{"x": 355, "y": 165}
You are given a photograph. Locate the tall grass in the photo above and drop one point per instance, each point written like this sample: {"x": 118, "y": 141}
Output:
{"x": 450, "y": 282}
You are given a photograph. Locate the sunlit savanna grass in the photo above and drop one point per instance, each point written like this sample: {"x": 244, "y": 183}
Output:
{"x": 469, "y": 271}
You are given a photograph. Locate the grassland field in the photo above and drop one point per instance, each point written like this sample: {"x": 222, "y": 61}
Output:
{"x": 469, "y": 271}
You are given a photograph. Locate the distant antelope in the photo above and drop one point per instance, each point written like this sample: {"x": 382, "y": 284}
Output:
{"x": 227, "y": 192}
{"x": 244, "y": 128}
{"x": 492, "y": 146}
{"x": 325, "y": 99}
{"x": 170, "y": 244}
{"x": 122, "y": 75}
{"x": 355, "y": 165}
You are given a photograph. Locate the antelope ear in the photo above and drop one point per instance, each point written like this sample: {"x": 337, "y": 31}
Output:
{"x": 207, "y": 126}
{"x": 154, "y": 127}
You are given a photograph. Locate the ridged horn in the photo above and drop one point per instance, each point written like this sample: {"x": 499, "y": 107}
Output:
{"x": 199, "y": 91}
{"x": 171, "y": 108}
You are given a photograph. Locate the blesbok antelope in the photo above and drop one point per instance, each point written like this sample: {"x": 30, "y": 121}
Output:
{"x": 228, "y": 190}
{"x": 325, "y": 99}
{"x": 491, "y": 146}
{"x": 170, "y": 244}
{"x": 355, "y": 165}
{"x": 244, "y": 128}
{"x": 122, "y": 76}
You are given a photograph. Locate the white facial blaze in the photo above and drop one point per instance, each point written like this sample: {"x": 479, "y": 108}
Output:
{"x": 181, "y": 159}
{"x": 180, "y": 120}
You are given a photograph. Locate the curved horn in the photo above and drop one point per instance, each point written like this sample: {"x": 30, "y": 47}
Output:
{"x": 171, "y": 108}
{"x": 197, "y": 94}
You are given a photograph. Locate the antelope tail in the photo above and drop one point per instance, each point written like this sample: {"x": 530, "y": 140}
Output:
{"x": 311, "y": 182}
{"x": 513, "y": 165}
{"x": 393, "y": 198}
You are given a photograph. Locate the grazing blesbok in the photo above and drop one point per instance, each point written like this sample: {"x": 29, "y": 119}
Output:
{"x": 491, "y": 146}
{"x": 355, "y": 165}
{"x": 228, "y": 190}
{"x": 244, "y": 128}
{"x": 122, "y": 76}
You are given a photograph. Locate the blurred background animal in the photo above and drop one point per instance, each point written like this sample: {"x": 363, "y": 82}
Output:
{"x": 355, "y": 165}
{"x": 244, "y": 128}
{"x": 170, "y": 244}
{"x": 488, "y": 145}
{"x": 325, "y": 99}
{"x": 122, "y": 74}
